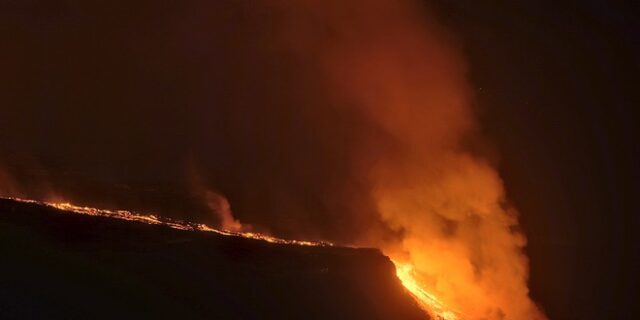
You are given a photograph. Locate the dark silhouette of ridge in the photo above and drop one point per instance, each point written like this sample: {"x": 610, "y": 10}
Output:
{"x": 70, "y": 266}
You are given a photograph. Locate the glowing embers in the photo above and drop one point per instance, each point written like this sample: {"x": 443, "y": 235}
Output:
{"x": 427, "y": 301}
{"x": 156, "y": 220}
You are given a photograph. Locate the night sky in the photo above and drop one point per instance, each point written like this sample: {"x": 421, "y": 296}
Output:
{"x": 123, "y": 104}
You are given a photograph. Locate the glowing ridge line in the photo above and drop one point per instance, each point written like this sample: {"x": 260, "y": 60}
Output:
{"x": 156, "y": 220}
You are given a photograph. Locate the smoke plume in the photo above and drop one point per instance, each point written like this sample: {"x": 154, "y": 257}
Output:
{"x": 393, "y": 65}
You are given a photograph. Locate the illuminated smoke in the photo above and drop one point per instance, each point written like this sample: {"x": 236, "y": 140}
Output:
{"x": 216, "y": 203}
{"x": 222, "y": 209}
{"x": 395, "y": 65}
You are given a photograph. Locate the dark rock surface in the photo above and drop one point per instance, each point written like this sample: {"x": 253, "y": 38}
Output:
{"x": 67, "y": 266}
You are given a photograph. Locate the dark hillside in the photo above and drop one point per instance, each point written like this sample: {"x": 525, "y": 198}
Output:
{"x": 57, "y": 265}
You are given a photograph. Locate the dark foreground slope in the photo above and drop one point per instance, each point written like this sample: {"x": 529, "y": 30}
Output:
{"x": 57, "y": 265}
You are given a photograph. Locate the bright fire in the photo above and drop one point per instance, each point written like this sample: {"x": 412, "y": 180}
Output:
{"x": 404, "y": 271}
{"x": 427, "y": 301}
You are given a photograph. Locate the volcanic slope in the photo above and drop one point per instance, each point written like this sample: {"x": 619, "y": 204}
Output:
{"x": 60, "y": 265}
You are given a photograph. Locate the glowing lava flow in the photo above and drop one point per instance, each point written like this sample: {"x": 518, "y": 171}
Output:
{"x": 427, "y": 301}
{"x": 404, "y": 271}
{"x": 156, "y": 220}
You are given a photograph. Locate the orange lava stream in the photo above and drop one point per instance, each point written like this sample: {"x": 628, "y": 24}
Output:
{"x": 404, "y": 271}
{"x": 427, "y": 301}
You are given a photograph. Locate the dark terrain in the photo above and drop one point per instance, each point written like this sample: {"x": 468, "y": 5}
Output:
{"x": 70, "y": 266}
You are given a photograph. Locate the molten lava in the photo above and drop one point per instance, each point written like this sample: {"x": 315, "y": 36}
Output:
{"x": 427, "y": 301}
{"x": 156, "y": 220}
